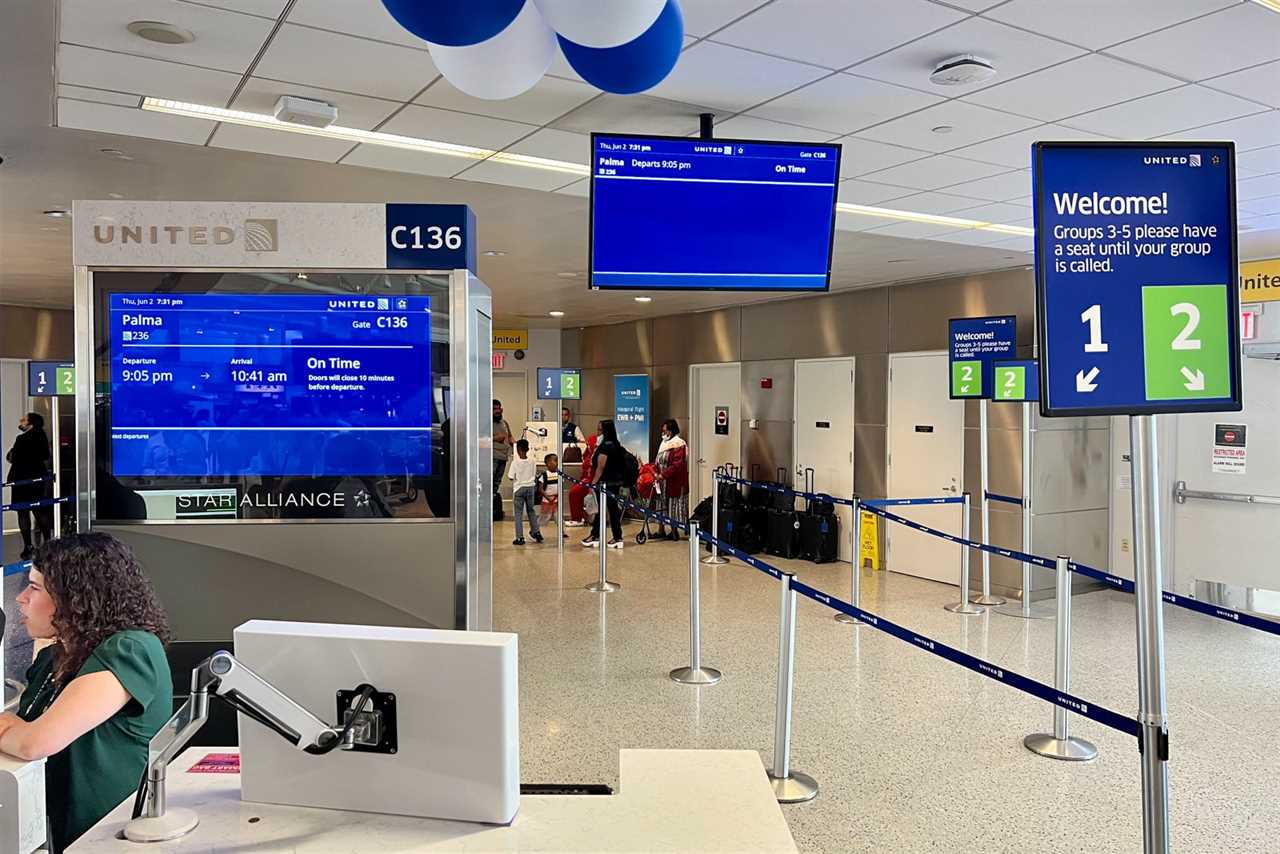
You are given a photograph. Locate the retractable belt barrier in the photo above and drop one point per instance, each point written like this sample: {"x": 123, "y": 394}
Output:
{"x": 31, "y": 505}
{"x": 912, "y": 502}
{"x": 785, "y": 490}
{"x": 639, "y": 508}
{"x": 1007, "y": 499}
{"x": 995, "y": 550}
{"x": 28, "y": 481}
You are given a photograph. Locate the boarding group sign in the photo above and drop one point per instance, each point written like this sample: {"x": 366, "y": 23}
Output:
{"x": 1136, "y": 278}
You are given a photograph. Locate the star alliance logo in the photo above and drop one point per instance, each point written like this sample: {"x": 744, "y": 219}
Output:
{"x": 362, "y": 498}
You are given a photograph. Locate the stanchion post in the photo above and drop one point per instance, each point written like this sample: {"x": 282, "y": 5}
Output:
{"x": 562, "y": 494}
{"x": 855, "y": 578}
{"x": 984, "y": 459}
{"x": 602, "y": 584}
{"x": 964, "y": 606}
{"x": 790, "y": 786}
{"x": 1023, "y": 609}
{"x": 1148, "y": 587}
{"x": 695, "y": 673}
{"x": 715, "y": 559}
{"x": 1060, "y": 744}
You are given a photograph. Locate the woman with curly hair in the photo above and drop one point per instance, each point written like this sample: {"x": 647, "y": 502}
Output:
{"x": 101, "y": 690}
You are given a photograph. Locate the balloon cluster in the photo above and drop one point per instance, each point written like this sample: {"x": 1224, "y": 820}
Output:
{"x": 497, "y": 49}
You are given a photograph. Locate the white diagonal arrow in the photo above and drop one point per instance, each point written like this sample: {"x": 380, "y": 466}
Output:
{"x": 964, "y": 389}
{"x": 1195, "y": 382}
{"x": 1085, "y": 382}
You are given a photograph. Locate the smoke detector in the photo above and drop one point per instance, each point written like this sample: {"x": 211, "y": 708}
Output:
{"x": 161, "y": 32}
{"x": 304, "y": 111}
{"x": 962, "y": 70}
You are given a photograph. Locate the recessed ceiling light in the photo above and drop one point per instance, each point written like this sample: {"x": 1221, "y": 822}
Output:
{"x": 493, "y": 253}
{"x": 644, "y": 299}
{"x": 962, "y": 70}
{"x": 57, "y": 213}
{"x": 943, "y": 129}
{"x": 556, "y": 313}
{"x": 161, "y": 33}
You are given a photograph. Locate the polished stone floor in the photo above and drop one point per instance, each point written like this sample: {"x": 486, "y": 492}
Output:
{"x": 913, "y": 754}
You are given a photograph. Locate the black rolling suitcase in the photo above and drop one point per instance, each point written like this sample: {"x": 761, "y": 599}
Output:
{"x": 782, "y": 537}
{"x": 819, "y": 527}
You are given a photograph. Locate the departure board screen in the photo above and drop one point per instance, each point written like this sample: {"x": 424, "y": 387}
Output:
{"x": 224, "y": 384}
{"x": 678, "y": 213}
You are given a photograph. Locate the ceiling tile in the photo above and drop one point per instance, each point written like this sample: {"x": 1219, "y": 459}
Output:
{"x": 348, "y": 64}
{"x": 354, "y": 111}
{"x": 836, "y": 33}
{"x": 556, "y": 145}
{"x": 280, "y": 143}
{"x": 577, "y": 188}
{"x": 365, "y": 18}
{"x": 632, "y": 114}
{"x": 972, "y": 237}
{"x": 1011, "y": 186}
{"x": 857, "y": 192}
{"x": 1263, "y": 161}
{"x": 1002, "y": 213}
{"x": 860, "y": 156}
{"x": 154, "y": 77}
{"x": 1257, "y": 188}
{"x": 98, "y": 96}
{"x": 1016, "y": 244}
{"x": 514, "y": 176}
{"x": 703, "y": 17}
{"x": 1206, "y": 47}
{"x": 1013, "y": 52}
{"x": 224, "y": 40}
{"x": 460, "y": 128}
{"x": 403, "y": 160}
{"x": 1014, "y": 150}
{"x": 560, "y": 66}
{"x": 913, "y": 230}
{"x": 730, "y": 78}
{"x": 130, "y": 122}
{"x": 1164, "y": 113}
{"x": 934, "y": 203}
{"x": 1260, "y": 83}
{"x": 1078, "y": 86}
{"x": 857, "y": 222}
{"x": 969, "y": 122}
{"x": 1260, "y": 130}
{"x": 976, "y": 5}
{"x": 1265, "y": 206}
{"x": 549, "y": 99}
{"x": 938, "y": 171}
{"x": 750, "y": 127}
{"x": 262, "y": 8}
{"x": 1098, "y": 23}
{"x": 843, "y": 103}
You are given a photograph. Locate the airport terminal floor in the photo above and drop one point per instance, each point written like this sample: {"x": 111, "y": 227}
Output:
{"x": 911, "y": 753}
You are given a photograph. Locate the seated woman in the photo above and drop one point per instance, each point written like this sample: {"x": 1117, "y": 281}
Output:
{"x": 101, "y": 690}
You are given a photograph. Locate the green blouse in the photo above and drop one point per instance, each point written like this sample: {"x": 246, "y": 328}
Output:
{"x": 92, "y": 775}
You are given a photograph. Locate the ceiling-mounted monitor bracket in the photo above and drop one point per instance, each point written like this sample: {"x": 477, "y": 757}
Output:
{"x": 706, "y": 122}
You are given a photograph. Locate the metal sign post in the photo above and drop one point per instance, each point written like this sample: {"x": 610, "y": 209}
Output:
{"x": 715, "y": 558}
{"x": 52, "y": 379}
{"x": 855, "y": 581}
{"x": 1138, "y": 309}
{"x": 986, "y": 598}
{"x": 562, "y": 494}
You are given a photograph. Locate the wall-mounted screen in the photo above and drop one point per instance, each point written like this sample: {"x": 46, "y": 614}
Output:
{"x": 559, "y": 384}
{"x": 676, "y": 213}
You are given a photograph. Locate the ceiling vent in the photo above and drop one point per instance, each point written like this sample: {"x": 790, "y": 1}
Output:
{"x": 962, "y": 70}
{"x": 304, "y": 111}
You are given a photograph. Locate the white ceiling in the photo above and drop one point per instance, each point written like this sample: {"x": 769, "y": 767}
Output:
{"x": 855, "y": 71}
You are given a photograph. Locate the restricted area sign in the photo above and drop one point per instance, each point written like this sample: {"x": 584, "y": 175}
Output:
{"x": 50, "y": 379}
{"x": 1136, "y": 277}
{"x": 1017, "y": 381}
{"x": 559, "y": 384}
{"x": 977, "y": 343}
{"x": 722, "y": 421}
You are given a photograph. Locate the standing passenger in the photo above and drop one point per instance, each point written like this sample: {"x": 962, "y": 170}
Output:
{"x": 673, "y": 471}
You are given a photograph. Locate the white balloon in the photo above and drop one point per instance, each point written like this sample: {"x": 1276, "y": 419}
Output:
{"x": 504, "y": 66}
{"x": 601, "y": 23}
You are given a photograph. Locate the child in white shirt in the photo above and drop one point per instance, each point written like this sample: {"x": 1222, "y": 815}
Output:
{"x": 523, "y": 474}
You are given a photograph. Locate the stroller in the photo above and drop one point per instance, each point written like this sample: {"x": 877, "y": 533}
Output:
{"x": 649, "y": 491}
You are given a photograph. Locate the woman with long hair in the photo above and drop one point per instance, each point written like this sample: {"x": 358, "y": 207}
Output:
{"x": 608, "y": 467}
{"x": 672, "y": 463}
{"x": 97, "y": 694}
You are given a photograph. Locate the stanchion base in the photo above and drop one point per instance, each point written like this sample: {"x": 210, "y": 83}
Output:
{"x": 990, "y": 600}
{"x": 795, "y": 789}
{"x": 1014, "y": 609}
{"x": 603, "y": 587}
{"x": 1069, "y": 749}
{"x": 714, "y": 560}
{"x": 696, "y": 675}
{"x": 173, "y": 824}
{"x": 967, "y": 608}
{"x": 842, "y": 617}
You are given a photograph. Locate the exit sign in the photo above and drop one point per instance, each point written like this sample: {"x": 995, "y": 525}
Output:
{"x": 499, "y": 361}
{"x": 1248, "y": 325}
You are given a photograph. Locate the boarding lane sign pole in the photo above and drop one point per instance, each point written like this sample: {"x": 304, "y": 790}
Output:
{"x": 1138, "y": 315}
{"x": 855, "y": 576}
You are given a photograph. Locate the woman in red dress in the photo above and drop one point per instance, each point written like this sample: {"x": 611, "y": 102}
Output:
{"x": 673, "y": 473}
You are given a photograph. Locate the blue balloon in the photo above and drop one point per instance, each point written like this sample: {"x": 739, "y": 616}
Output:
{"x": 639, "y": 64}
{"x": 455, "y": 23}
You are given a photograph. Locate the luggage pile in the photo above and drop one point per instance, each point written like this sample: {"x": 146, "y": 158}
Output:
{"x": 767, "y": 520}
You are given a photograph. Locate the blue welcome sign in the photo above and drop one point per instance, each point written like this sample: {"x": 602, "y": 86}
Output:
{"x": 976, "y": 343}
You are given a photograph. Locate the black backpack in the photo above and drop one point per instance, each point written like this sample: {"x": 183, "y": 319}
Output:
{"x": 632, "y": 473}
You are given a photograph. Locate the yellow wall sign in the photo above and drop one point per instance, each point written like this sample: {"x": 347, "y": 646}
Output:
{"x": 869, "y": 541}
{"x": 1260, "y": 281}
{"x": 511, "y": 339}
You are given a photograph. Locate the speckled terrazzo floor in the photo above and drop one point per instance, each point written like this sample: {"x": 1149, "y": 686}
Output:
{"x": 913, "y": 754}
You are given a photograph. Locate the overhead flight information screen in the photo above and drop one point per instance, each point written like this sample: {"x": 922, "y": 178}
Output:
{"x": 211, "y": 384}
{"x": 678, "y": 213}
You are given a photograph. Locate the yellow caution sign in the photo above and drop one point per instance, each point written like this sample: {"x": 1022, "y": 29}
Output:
{"x": 869, "y": 541}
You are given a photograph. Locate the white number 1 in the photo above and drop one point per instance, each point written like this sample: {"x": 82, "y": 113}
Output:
{"x": 1093, "y": 316}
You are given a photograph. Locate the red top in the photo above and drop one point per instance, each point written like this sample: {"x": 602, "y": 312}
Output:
{"x": 673, "y": 465}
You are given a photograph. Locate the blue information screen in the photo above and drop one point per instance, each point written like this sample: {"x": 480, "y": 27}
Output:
{"x": 559, "y": 384}
{"x": 1136, "y": 277}
{"x": 271, "y": 385}
{"x": 711, "y": 214}
{"x": 1017, "y": 381}
{"x": 976, "y": 343}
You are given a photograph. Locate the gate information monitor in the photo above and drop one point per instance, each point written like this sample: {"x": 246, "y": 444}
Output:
{"x": 559, "y": 384}
{"x": 220, "y": 384}
{"x": 976, "y": 343}
{"x": 711, "y": 214}
{"x": 1016, "y": 381}
{"x": 1136, "y": 277}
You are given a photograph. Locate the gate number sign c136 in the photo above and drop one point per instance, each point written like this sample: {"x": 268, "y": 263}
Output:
{"x": 976, "y": 344}
{"x": 1136, "y": 277}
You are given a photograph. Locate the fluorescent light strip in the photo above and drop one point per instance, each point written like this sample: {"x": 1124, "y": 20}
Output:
{"x": 1273, "y": 5}
{"x": 933, "y": 219}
